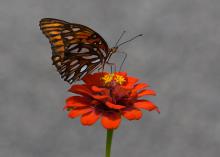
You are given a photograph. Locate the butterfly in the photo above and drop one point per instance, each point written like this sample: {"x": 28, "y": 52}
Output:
{"x": 77, "y": 50}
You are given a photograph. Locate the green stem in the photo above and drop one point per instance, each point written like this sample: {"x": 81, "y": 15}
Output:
{"x": 108, "y": 142}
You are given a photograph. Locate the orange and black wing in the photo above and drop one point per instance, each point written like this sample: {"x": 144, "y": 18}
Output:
{"x": 76, "y": 49}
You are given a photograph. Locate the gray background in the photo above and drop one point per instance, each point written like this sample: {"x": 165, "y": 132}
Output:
{"x": 179, "y": 56}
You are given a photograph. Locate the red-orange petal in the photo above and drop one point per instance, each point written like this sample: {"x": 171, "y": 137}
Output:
{"x": 120, "y": 91}
{"x": 145, "y": 104}
{"x": 140, "y": 86}
{"x": 90, "y": 118}
{"x": 111, "y": 120}
{"x": 79, "y": 111}
{"x": 100, "y": 97}
{"x": 81, "y": 89}
{"x": 132, "y": 113}
{"x": 146, "y": 92}
{"x": 130, "y": 82}
{"x": 114, "y": 106}
{"x": 94, "y": 79}
{"x": 76, "y": 101}
{"x": 102, "y": 93}
{"x": 124, "y": 74}
{"x": 98, "y": 89}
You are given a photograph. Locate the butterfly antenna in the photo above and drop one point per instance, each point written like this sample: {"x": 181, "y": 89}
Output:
{"x": 120, "y": 38}
{"x": 130, "y": 39}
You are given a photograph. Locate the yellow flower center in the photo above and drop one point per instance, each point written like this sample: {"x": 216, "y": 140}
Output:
{"x": 113, "y": 77}
{"x": 107, "y": 78}
{"x": 119, "y": 79}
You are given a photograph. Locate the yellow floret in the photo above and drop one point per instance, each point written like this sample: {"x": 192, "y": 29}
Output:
{"x": 107, "y": 78}
{"x": 119, "y": 79}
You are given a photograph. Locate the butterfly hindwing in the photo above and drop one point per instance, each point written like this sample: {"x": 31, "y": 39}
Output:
{"x": 76, "y": 49}
{"x": 76, "y": 66}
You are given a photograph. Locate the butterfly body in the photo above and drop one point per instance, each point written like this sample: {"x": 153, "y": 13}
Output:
{"x": 76, "y": 49}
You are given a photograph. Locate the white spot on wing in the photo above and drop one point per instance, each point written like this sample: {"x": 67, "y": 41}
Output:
{"x": 90, "y": 57}
{"x": 71, "y": 75}
{"x": 74, "y": 67}
{"x": 73, "y": 62}
{"x": 95, "y": 61}
{"x": 65, "y": 31}
{"x": 103, "y": 52}
{"x": 69, "y": 37}
{"x": 83, "y": 68}
{"x": 84, "y": 50}
{"x": 76, "y": 29}
{"x": 72, "y": 46}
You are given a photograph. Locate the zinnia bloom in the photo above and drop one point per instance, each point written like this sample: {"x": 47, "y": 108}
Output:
{"x": 109, "y": 96}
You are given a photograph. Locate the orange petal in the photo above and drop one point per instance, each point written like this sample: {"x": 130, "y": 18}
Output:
{"x": 111, "y": 120}
{"x": 76, "y": 101}
{"x": 100, "y": 97}
{"x": 124, "y": 74}
{"x": 90, "y": 118}
{"x": 146, "y": 92}
{"x": 133, "y": 94}
{"x": 81, "y": 89}
{"x": 132, "y": 113}
{"x": 140, "y": 86}
{"x": 120, "y": 91}
{"x": 94, "y": 79}
{"x": 97, "y": 89}
{"x": 114, "y": 106}
{"x": 130, "y": 82}
{"x": 103, "y": 93}
{"x": 79, "y": 111}
{"x": 145, "y": 104}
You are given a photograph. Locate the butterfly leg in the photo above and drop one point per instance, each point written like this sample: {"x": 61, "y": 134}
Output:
{"x": 122, "y": 63}
{"x": 98, "y": 69}
{"x": 101, "y": 69}
{"x": 112, "y": 65}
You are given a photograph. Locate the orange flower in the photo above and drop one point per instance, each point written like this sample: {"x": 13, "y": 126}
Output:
{"x": 109, "y": 96}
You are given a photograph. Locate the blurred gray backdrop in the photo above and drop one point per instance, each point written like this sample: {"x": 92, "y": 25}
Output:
{"x": 179, "y": 56}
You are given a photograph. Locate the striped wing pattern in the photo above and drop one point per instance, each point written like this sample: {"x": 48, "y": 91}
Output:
{"x": 76, "y": 49}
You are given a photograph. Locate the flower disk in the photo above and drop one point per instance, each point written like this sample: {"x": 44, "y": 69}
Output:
{"x": 109, "y": 96}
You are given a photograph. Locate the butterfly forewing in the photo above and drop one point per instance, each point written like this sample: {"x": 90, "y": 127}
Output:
{"x": 76, "y": 49}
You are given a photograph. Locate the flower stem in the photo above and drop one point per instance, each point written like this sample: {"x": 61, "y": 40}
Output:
{"x": 108, "y": 142}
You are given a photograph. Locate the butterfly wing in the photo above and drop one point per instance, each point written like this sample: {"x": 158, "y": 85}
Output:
{"x": 76, "y": 49}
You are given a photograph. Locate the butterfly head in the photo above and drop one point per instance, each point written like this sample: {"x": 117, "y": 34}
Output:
{"x": 113, "y": 50}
